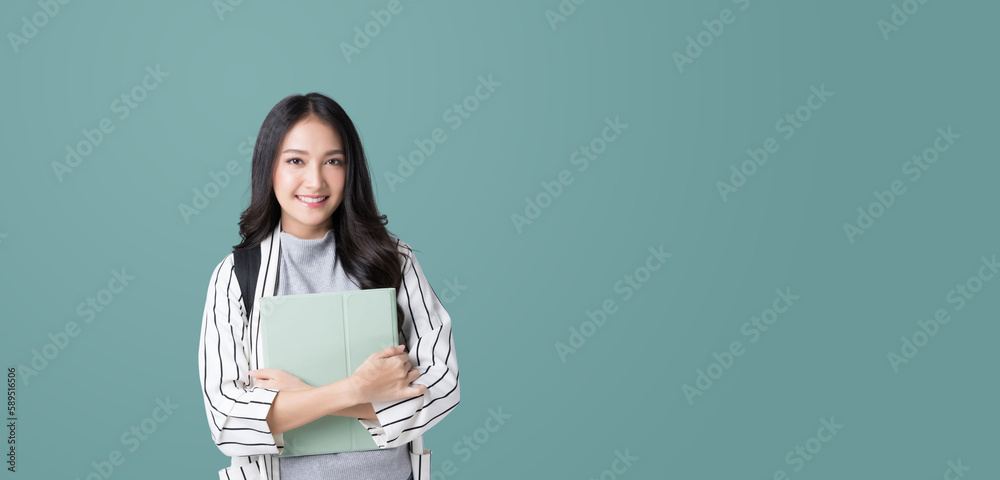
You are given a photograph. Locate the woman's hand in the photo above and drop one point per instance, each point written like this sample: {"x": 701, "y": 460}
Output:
{"x": 386, "y": 376}
{"x": 276, "y": 379}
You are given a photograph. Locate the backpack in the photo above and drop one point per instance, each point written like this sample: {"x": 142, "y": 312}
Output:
{"x": 246, "y": 262}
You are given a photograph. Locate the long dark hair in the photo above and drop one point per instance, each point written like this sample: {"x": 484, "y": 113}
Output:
{"x": 366, "y": 249}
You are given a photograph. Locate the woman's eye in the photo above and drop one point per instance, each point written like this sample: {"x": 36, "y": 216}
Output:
{"x": 293, "y": 161}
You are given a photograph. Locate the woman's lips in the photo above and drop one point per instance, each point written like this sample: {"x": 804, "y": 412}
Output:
{"x": 313, "y": 204}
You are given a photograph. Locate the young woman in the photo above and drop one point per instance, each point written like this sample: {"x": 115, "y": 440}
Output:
{"x": 313, "y": 218}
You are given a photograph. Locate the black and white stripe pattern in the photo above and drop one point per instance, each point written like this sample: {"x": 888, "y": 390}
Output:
{"x": 427, "y": 330}
{"x": 237, "y": 411}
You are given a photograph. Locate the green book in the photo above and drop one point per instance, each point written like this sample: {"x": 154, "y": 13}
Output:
{"x": 322, "y": 338}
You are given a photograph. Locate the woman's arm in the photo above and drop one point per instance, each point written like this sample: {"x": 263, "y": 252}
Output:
{"x": 361, "y": 410}
{"x": 291, "y": 409}
{"x": 380, "y": 377}
{"x": 284, "y": 382}
{"x": 384, "y": 375}
{"x": 236, "y": 411}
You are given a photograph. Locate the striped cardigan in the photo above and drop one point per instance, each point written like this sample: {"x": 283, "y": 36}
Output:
{"x": 230, "y": 348}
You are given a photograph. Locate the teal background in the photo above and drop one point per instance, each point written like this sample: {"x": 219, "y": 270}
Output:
{"x": 655, "y": 185}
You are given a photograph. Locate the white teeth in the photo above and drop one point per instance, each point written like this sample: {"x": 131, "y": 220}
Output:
{"x": 311, "y": 200}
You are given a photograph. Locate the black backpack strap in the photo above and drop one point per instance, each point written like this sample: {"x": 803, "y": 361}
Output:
{"x": 246, "y": 261}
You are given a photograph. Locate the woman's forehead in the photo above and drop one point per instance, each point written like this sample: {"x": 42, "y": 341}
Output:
{"x": 312, "y": 135}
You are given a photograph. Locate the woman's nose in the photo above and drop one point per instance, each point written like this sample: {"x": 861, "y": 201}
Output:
{"x": 313, "y": 176}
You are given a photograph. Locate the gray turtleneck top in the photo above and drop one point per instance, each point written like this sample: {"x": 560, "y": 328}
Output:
{"x": 312, "y": 266}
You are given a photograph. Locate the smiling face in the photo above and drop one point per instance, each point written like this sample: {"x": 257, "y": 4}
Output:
{"x": 309, "y": 176}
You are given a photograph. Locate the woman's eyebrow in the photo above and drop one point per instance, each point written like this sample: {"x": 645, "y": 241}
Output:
{"x": 303, "y": 152}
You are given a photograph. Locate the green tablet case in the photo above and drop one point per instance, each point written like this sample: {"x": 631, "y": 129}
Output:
{"x": 322, "y": 338}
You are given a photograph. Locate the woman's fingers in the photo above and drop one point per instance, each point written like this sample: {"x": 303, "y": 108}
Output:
{"x": 389, "y": 352}
{"x": 262, "y": 382}
{"x": 416, "y": 389}
{"x": 265, "y": 373}
{"x": 277, "y": 379}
